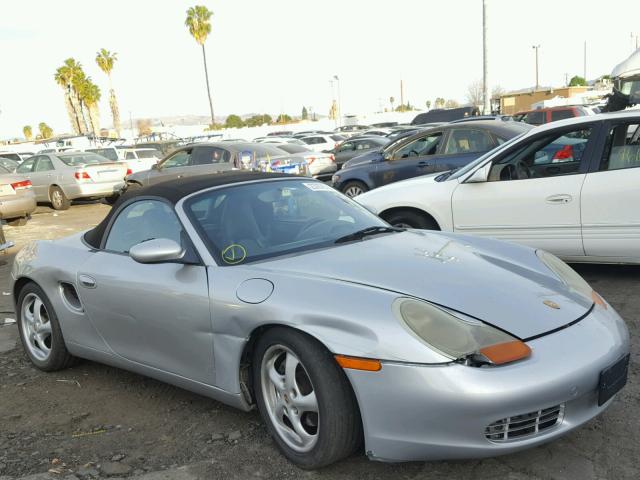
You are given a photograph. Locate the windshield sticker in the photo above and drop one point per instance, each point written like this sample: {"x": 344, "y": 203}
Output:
{"x": 233, "y": 254}
{"x": 319, "y": 187}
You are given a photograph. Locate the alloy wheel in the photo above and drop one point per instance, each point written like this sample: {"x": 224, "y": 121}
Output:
{"x": 290, "y": 398}
{"x": 56, "y": 198}
{"x": 36, "y": 327}
{"x": 353, "y": 191}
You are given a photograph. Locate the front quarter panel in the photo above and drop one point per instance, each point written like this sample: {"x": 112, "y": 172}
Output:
{"x": 422, "y": 193}
{"x": 349, "y": 319}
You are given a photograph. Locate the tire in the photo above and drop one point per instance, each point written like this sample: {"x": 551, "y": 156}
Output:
{"x": 354, "y": 188}
{"x": 59, "y": 200}
{"x": 410, "y": 219}
{"x": 335, "y": 430}
{"x": 41, "y": 335}
{"x": 18, "y": 222}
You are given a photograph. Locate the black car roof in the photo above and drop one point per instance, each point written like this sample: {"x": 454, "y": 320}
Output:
{"x": 175, "y": 190}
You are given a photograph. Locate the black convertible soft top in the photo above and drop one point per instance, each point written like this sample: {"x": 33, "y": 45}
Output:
{"x": 176, "y": 189}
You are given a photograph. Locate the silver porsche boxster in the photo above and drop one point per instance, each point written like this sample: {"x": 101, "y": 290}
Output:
{"x": 277, "y": 292}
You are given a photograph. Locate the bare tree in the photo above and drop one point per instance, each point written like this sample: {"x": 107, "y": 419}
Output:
{"x": 451, "y": 104}
{"x": 474, "y": 93}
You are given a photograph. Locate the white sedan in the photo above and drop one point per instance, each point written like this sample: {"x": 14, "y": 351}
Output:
{"x": 323, "y": 143}
{"x": 570, "y": 187}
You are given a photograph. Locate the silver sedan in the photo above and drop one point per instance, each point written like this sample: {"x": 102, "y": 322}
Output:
{"x": 277, "y": 292}
{"x": 58, "y": 178}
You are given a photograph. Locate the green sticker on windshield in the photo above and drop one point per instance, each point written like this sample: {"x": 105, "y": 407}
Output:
{"x": 234, "y": 253}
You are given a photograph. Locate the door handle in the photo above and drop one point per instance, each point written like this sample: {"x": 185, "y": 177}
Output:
{"x": 423, "y": 163}
{"x": 87, "y": 281}
{"x": 559, "y": 199}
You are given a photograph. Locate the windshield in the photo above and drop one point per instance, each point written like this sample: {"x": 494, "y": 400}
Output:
{"x": 109, "y": 153}
{"x": 81, "y": 158}
{"x": 470, "y": 166}
{"x": 250, "y": 222}
{"x": 148, "y": 154}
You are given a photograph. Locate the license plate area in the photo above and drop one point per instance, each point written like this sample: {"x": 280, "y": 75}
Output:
{"x": 612, "y": 379}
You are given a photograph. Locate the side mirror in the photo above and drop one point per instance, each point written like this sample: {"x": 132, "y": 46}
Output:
{"x": 155, "y": 166}
{"x": 481, "y": 175}
{"x": 158, "y": 250}
{"x": 387, "y": 156}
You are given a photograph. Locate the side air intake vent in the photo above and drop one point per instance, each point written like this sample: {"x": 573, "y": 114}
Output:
{"x": 70, "y": 296}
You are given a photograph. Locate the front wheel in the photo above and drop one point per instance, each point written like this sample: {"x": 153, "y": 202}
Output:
{"x": 59, "y": 200}
{"x": 410, "y": 219}
{"x": 354, "y": 188}
{"x": 305, "y": 399}
{"x": 40, "y": 331}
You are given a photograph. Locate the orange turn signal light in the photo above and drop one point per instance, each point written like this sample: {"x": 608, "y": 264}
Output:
{"x": 357, "y": 363}
{"x": 598, "y": 300}
{"x": 506, "y": 352}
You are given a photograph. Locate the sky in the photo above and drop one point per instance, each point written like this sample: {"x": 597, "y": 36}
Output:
{"x": 280, "y": 55}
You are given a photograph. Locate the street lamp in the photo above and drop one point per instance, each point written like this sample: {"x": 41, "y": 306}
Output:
{"x": 536, "y": 48}
{"x": 335, "y": 77}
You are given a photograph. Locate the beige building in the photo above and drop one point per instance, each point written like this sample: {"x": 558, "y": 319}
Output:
{"x": 519, "y": 101}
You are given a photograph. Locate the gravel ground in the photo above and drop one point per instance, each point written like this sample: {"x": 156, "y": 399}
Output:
{"x": 96, "y": 421}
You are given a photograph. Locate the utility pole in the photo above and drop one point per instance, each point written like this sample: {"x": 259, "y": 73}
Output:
{"x": 333, "y": 103}
{"x": 585, "y": 62}
{"x": 536, "y": 48}
{"x": 486, "y": 110}
{"x": 131, "y": 125}
{"x": 339, "y": 101}
{"x": 401, "y": 95}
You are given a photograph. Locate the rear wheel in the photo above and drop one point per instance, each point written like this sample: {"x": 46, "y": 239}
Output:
{"x": 354, "y": 188}
{"x": 40, "y": 331}
{"x": 18, "y": 222}
{"x": 59, "y": 200}
{"x": 305, "y": 399}
{"x": 411, "y": 219}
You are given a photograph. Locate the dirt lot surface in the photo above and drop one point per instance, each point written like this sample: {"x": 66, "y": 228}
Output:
{"x": 95, "y": 421}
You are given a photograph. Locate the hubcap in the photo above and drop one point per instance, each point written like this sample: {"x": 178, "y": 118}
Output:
{"x": 353, "y": 191}
{"x": 56, "y": 197}
{"x": 290, "y": 398}
{"x": 36, "y": 327}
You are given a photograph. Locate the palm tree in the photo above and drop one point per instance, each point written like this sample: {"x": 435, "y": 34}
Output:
{"x": 64, "y": 77}
{"x": 45, "y": 130}
{"x": 105, "y": 60}
{"x": 200, "y": 27}
{"x": 90, "y": 96}
{"x": 77, "y": 85}
{"x": 28, "y": 132}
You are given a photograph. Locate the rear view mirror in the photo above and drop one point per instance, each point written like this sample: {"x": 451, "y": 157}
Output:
{"x": 481, "y": 175}
{"x": 158, "y": 250}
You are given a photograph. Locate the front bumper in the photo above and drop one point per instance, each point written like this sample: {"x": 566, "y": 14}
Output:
{"x": 87, "y": 190}
{"x": 19, "y": 205}
{"x": 419, "y": 412}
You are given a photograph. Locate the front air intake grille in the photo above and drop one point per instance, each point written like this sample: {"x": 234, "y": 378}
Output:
{"x": 526, "y": 425}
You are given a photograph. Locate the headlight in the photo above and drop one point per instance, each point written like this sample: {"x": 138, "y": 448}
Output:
{"x": 456, "y": 337}
{"x": 334, "y": 179}
{"x": 570, "y": 277}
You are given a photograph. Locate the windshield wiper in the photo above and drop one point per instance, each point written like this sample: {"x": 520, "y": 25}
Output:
{"x": 365, "y": 232}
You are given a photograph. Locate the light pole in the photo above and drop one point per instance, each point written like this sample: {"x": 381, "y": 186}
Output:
{"x": 485, "y": 62}
{"x": 333, "y": 103}
{"x": 335, "y": 77}
{"x": 536, "y": 48}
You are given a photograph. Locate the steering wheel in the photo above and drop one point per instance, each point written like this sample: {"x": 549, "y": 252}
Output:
{"x": 313, "y": 224}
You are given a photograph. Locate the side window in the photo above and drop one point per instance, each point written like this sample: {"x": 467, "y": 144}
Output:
{"x": 465, "y": 140}
{"x": 130, "y": 156}
{"x": 141, "y": 221}
{"x": 363, "y": 145}
{"x": 427, "y": 145}
{"x": 622, "y": 148}
{"x": 44, "y": 164}
{"x": 535, "y": 118}
{"x": 26, "y": 166}
{"x": 346, "y": 147}
{"x": 178, "y": 159}
{"x": 549, "y": 156}
{"x": 209, "y": 155}
{"x": 561, "y": 114}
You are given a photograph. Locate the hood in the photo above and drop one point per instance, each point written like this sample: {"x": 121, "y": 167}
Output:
{"x": 499, "y": 283}
{"x": 366, "y": 158}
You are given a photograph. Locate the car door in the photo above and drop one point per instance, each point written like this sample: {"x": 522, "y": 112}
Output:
{"x": 157, "y": 315}
{"x": 43, "y": 176}
{"x": 175, "y": 166}
{"x": 411, "y": 159}
{"x": 532, "y": 195}
{"x": 209, "y": 159}
{"x": 611, "y": 194}
{"x": 463, "y": 145}
{"x": 345, "y": 151}
{"x": 26, "y": 169}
